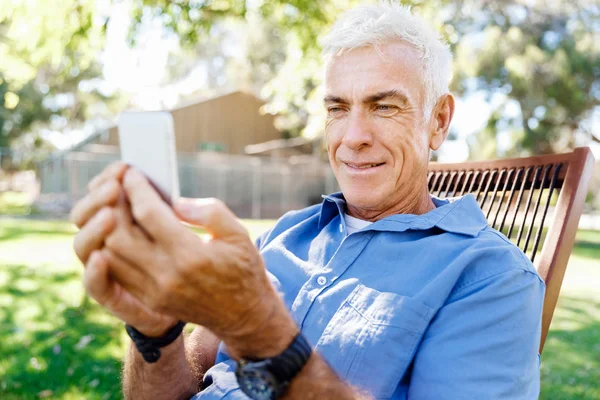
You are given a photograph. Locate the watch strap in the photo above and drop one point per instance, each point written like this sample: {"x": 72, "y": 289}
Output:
{"x": 149, "y": 347}
{"x": 289, "y": 363}
{"x": 277, "y": 371}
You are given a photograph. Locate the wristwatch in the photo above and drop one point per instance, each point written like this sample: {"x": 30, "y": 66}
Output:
{"x": 267, "y": 379}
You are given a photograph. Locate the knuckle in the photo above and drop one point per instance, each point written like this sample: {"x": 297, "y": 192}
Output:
{"x": 217, "y": 206}
{"x": 143, "y": 212}
{"x": 78, "y": 247}
{"x": 216, "y": 210}
{"x": 88, "y": 281}
{"x": 114, "y": 241}
{"x": 105, "y": 194}
{"x": 110, "y": 187}
{"x": 105, "y": 219}
{"x": 78, "y": 212}
{"x": 74, "y": 217}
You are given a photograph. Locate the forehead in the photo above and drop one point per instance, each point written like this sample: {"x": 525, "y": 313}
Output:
{"x": 366, "y": 70}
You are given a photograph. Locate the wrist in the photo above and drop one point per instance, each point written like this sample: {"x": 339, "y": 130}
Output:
{"x": 273, "y": 332}
{"x": 149, "y": 347}
{"x": 155, "y": 330}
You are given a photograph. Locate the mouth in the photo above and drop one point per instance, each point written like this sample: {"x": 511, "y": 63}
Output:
{"x": 363, "y": 165}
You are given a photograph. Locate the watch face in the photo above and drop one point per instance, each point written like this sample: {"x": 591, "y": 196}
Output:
{"x": 257, "y": 382}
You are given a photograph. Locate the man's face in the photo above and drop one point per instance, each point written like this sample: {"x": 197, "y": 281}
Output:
{"x": 376, "y": 135}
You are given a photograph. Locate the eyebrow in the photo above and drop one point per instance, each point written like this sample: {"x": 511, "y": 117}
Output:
{"x": 389, "y": 94}
{"x": 334, "y": 99}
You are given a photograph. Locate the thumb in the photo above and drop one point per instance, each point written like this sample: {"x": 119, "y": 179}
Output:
{"x": 211, "y": 214}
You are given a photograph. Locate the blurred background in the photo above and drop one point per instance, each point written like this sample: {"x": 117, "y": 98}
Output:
{"x": 242, "y": 79}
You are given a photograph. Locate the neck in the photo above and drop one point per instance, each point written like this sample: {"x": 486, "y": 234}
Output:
{"x": 416, "y": 203}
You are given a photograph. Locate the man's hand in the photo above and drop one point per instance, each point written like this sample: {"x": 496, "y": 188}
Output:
{"x": 97, "y": 215}
{"x": 219, "y": 283}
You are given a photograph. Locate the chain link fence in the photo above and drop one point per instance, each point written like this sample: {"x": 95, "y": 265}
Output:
{"x": 253, "y": 187}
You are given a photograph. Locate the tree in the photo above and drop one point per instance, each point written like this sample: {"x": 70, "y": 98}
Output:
{"x": 543, "y": 59}
{"x": 539, "y": 58}
{"x": 47, "y": 48}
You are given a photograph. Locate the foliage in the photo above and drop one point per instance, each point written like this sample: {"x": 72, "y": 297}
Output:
{"x": 538, "y": 59}
{"x": 538, "y": 62}
{"x": 49, "y": 52}
{"x": 541, "y": 61}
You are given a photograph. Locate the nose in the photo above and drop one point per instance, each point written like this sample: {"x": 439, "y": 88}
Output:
{"x": 358, "y": 133}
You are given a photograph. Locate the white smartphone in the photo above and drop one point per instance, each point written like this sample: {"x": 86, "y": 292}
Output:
{"x": 147, "y": 142}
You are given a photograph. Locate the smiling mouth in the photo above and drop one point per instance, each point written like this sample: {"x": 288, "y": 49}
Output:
{"x": 363, "y": 166}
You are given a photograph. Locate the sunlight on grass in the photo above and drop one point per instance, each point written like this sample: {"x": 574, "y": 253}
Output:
{"x": 15, "y": 203}
{"x": 571, "y": 359}
{"x": 56, "y": 342}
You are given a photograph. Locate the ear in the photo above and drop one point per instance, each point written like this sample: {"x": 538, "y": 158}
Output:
{"x": 440, "y": 121}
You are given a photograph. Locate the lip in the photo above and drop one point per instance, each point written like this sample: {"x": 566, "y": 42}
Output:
{"x": 355, "y": 168}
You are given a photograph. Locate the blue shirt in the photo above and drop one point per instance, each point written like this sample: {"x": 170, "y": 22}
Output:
{"x": 433, "y": 306}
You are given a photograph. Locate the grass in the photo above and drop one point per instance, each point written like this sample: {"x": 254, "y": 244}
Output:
{"x": 571, "y": 359}
{"x": 15, "y": 203}
{"x": 55, "y": 343}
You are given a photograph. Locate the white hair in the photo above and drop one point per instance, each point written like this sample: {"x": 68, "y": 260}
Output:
{"x": 374, "y": 25}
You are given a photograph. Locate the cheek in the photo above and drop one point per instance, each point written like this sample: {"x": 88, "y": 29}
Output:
{"x": 404, "y": 138}
{"x": 333, "y": 138}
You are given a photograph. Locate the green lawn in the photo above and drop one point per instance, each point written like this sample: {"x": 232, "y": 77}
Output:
{"x": 15, "y": 203}
{"x": 55, "y": 343}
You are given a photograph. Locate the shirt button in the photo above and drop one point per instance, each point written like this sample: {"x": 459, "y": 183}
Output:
{"x": 321, "y": 280}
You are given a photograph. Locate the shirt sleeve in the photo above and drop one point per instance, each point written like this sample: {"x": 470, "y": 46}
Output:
{"x": 483, "y": 343}
{"x": 258, "y": 243}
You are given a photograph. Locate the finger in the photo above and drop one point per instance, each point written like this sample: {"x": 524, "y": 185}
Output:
{"x": 211, "y": 214}
{"x": 148, "y": 209}
{"x": 96, "y": 278}
{"x": 115, "y": 171}
{"x": 132, "y": 279}
{"x": 106, "y": 291}
{"x": 128, "y": 240}
{"x": 132, "y": 246}
{"x": 93, "y": 234}
{"x": 123, "y": 210}
{"x": 105, "y": 195}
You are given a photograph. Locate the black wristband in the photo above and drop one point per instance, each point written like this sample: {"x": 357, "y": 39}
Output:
{"x": 149, "y": 347}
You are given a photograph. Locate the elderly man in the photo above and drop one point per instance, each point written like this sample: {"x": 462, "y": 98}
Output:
{"x": 381, "y": 291}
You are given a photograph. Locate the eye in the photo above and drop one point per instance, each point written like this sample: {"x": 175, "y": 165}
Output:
{"x": 386, "y": 109}
{"x": 334, "y": 111}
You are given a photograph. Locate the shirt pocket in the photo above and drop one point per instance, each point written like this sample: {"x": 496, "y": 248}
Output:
{"x": 372, "y": 338}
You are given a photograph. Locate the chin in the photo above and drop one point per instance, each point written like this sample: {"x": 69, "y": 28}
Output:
{"x": 362, "y": 197}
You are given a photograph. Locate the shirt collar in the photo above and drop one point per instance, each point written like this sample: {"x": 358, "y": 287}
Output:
{"x": 457, "y": 215}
